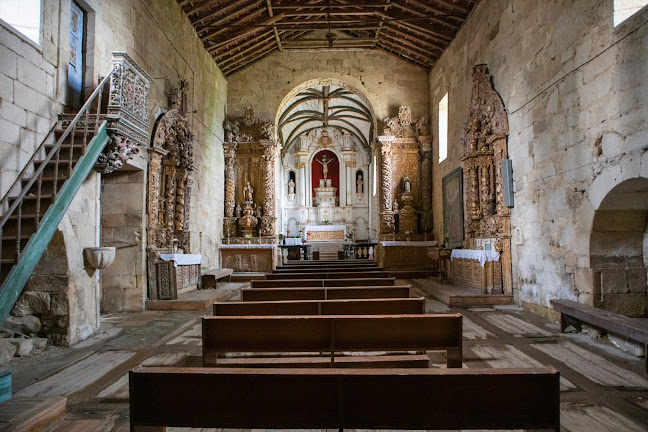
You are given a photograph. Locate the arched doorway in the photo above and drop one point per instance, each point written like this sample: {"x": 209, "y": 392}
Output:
{"x": 619, "y": 249}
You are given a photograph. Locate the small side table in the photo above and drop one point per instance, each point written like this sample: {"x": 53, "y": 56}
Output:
{"x": 440, "y": 258}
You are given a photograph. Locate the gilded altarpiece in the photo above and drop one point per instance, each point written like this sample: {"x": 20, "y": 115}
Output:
{"x": 405, "y": 177}
{"x": 168, "y": 204}
{"x": 487, "y": 219}
{"x": 250, "y": 159}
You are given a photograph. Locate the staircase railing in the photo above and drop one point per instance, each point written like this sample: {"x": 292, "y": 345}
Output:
{"x": 45, "y": 227}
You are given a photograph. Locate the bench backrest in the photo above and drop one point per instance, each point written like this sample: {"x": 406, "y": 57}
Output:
{"x": 322, "y": 307}
{"x": 322, "y": 282}
{"x": 353, "y": 274}
{"x": 344, "y": 398}
{"x": 313, "y": 293}
{"x": 331, "y": 333}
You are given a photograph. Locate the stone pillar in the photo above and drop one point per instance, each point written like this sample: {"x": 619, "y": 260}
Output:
{"x": 350, "y": 181}
{"x": 268, "y": 219}
{"x": 387, "y": 220}
{"x": 229, "y": 221}
{"x": 425, "y": 145}
{"x": 302, "y": 185}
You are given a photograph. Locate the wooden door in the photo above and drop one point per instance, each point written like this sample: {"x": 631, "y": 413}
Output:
{"x": 77, "y": 54}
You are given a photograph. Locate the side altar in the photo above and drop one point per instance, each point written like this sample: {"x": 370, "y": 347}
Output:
{"x": 246, "y": 258}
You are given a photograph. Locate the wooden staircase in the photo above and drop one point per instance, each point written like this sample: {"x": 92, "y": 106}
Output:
{"x": 39, "y": 197}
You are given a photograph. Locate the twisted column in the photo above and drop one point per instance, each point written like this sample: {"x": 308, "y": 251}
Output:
{"x": 387, "y": 225}
{"x": 268, "y": 219}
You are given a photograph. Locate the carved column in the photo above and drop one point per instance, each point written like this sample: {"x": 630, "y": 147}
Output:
{"x": 169, "y": 197}
{"x": 229, "y": 221}
{"x": 425, "y": 143}
{"x": 268, "y": 219}
{"x": 387, "y": 220}
{"x": 181, "y": 183}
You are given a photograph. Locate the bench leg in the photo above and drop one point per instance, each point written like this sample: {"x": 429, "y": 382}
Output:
{"x": 566, "y": 321}
{"x": 454, "y": 359}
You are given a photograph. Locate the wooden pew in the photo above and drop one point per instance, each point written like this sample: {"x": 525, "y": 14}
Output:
{"x": 332, "y": 333}
{"x": 322, "y": 282}
{"x": 305, "y": 269}
{"x": 422, "y": 399}
{"x": 322, "y": 307}
{"x": 355, "y": 274}
{"x": 328, "y": 293}
{"x": 211, "y": 277}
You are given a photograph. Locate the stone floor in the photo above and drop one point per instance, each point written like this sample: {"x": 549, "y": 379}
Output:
{"x": 602, "y": 388}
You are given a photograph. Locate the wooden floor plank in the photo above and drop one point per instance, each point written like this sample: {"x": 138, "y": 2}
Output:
{"x": 472, "y": 331}
{"x": 592, "y": 366}
{"x": 192, "y": 337}
{"x": 86, "y": 425}
{"x": 78, "y": 375}
{"x": 117, "y": 390}
{"x": 30, "y": 413}
{"x": 591, "y": 417}
{"x": 514, "y": 325}
{"x": 507, "y": 356}
{"x": 167, "y": 359}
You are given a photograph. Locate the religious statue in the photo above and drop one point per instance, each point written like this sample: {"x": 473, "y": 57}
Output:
{"x": 407, "y": 185}
{"x": 258, "y": 210}
{"x": 238, "y": 211}
{"x": 324, "y": 164}
{"x": 247, "y": 192}
{"x": 291, "y": 187}
{"x": 395, "y": 206}
{"x": 359, "y": 185}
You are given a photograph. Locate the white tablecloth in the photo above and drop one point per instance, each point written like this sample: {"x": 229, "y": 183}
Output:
{"x": 409, "y": 243}
{"x": 483, "y": 256}
{"x": 292, "y": 241}
{"x": 182, "y": 259}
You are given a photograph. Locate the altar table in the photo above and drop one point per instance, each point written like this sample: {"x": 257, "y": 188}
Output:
{"x": 173, "y": 274}
{"x": 244, "y": 258}
{"x": 325, "y": 232}
{"x": 477, "y": 269}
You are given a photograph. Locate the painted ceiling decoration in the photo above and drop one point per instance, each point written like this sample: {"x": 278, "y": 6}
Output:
{"x": 325, "y": 106}
{"x": 239, "y": 32}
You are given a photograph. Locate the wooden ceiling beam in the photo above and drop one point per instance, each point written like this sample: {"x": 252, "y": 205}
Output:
{"x": 254, "y": 48}
{"x": 260, "y": 25}
{"x": 226, "y": 51}
{"x": 431, "y": 10}
{"x": 332, "y": 13}
{"x": 406, "y": 52}
{"x": 223, "y": 13}
{"x": 402, "y": 56}
{"x": 424, "y": 34}
{"x": 430, "y": 18}
{"x": 285, "y": 26}
{"x": 215, "y": 28}
{"x": 201, "y": 6}
{"x": 335, "y": 6}
{"x": 274, "y": 27}
{"x": 407, "y": 37}
{"x": 409, "y": 46}
{"x": 451, "y": 4}
{"x": 405, "y": 21}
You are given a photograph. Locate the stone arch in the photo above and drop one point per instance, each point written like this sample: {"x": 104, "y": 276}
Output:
{"x": 345, "y": 81}
{"x": 619, "y": 246}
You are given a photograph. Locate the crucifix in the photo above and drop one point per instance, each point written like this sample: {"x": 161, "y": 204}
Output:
{"x": 324, "y": 164}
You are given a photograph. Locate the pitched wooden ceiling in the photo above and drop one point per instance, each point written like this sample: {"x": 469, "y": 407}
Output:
{"x": 239, "y": 32}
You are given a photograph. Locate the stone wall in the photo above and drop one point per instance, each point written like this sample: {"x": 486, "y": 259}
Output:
{"x": 385, "y": 80}
{"x": 577, "y": 99}
{"x": 159, "y": 37}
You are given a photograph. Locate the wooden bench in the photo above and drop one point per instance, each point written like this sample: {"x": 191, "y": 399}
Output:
{"x": 353, "y": 361}
{"x": 356, "y": 274}
{"x": 332, "y": 333}
{"x": 313, "y": 293}
{"x": 322, "y": 282}
{"x": 401, "y": 306}
{"x": 210, "y": 278}
{"x": 421, "y": 399}
{"x": 573, "y": 313}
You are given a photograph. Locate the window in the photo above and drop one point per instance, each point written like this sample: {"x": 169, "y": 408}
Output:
{"x": 443, "y": 128}
{"x": 624, "y": 9}
{"x": 24, "y": 16}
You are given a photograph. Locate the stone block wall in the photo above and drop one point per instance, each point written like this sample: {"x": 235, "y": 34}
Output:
{"x": 159, "y": 37}
{"x": 577, "y": 99}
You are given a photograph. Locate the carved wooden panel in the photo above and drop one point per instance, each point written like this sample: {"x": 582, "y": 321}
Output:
{"x": 248, "y": 260}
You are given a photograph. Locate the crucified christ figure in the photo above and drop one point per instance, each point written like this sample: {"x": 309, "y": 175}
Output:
{"x": 324, "y": 163}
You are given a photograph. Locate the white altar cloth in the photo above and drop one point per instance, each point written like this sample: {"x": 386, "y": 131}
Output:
{"x": 431, "y": 243}
{"x": 182, "y": 259}
{"x": 247, "y": 246}
{"x": 483, "y": 256}
{"x": 292, "y": 241}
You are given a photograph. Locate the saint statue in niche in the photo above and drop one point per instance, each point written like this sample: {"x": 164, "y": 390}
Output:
{"x": 238, "y": 211}
{"x": 395, "y": 206}
{"x": 324, "y": 164}
{"x": 359, "y": 185}
{"x": 407, "y": 185}
{"x": 247, "y": 192}
{"x": 291, "y": 187}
